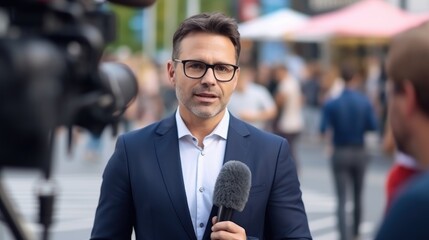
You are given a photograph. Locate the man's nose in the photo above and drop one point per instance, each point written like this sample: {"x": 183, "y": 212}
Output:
{"x": 209, "y": 77}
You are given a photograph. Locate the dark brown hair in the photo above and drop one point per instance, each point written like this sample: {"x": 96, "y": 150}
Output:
{"x": 408, "y": 60}
{"x": 216, "y": 23}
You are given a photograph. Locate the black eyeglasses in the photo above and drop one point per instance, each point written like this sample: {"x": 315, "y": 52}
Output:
{"x": 196, "y": 69}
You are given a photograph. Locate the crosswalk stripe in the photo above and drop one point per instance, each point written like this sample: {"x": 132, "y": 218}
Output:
{"x": 83, "y": 223}
{"x": 74, "y": 207}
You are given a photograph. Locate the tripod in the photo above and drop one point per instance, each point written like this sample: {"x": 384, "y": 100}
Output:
{"x": 46, "y": 193}
{"x": 11, "y": 218}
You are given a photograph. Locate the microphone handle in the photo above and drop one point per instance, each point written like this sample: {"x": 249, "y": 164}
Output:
{"x": 224, "y": 214}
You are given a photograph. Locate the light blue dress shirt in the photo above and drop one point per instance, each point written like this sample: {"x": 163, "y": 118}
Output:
{"x": 200, "y": 168}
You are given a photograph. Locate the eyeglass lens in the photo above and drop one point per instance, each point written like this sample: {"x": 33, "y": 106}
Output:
{"x": 196, "y": 69}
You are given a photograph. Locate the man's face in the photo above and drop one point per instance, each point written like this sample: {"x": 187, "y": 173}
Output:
{"x": 205, "y": 97}
{"x": 398, "y": 118}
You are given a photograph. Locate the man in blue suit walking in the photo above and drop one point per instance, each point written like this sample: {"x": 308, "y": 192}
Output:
{"x": 159, "y": 181}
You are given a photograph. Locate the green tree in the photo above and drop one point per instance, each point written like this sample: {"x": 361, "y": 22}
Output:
{"x": 126, "y": 35}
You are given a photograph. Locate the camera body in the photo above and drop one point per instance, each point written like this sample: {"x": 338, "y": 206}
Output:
{"x": 52, "y": 74}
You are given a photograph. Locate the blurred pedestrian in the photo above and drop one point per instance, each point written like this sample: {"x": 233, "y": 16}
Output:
{"x": 311, "y": 92}
{"x": 331, "y": 85}
{"x": 167, "y": 92}
{"x": 252, "y": 102}
{"x": 148, "y": 104}
{"x": 408, "y": 103}
{"x": 289, "y": 100}
{"x": 373, "y": 82}
{"x": 349, "y": 117}
{"x": 294, "y": 62}
{"x": 94, "y": 147}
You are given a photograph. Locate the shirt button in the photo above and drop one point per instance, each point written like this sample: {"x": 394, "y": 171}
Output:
{"x": 201, "y": 225}
{"x": 201, "y": 189}
{"x": 202, "y": 153}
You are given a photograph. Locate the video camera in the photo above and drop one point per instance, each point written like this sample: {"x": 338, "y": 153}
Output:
{"x": 52, "y": 74}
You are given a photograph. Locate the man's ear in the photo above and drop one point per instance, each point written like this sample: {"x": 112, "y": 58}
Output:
{"x": 237, "y": 77}
{"x": 410, "y": 99}
{"x": 171, "y": 71}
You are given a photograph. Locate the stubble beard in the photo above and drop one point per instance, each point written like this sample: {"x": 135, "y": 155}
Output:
{"x": 199, "y": 110}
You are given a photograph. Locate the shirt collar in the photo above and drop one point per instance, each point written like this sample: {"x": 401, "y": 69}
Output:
{"x": 221, "y": 129}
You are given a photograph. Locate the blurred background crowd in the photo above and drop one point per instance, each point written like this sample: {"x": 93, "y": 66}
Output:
{"x": 306, "y": 41}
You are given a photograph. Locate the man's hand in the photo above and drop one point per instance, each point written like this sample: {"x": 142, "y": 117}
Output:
{"x": 227, "y": 230}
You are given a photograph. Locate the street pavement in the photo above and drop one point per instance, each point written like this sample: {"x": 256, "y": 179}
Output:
{"x": 78, "y": 181}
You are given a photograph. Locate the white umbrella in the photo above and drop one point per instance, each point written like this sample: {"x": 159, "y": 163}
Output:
{"x": 272, "y": 26}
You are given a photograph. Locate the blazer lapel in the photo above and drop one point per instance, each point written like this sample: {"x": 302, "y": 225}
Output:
{"x": 236, "y": 149}
{"x": 237, "y": 145}
{"x": 167, "y": 149}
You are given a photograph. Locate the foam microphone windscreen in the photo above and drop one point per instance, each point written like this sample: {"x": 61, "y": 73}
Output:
{"x": 232, "y": 186}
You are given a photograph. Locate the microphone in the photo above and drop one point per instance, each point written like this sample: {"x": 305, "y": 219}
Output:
{"x": 133, "y": 3}
{"x": 231, "y": 189}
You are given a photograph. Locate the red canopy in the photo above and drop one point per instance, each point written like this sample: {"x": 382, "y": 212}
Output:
{"x": 366, "y": 18}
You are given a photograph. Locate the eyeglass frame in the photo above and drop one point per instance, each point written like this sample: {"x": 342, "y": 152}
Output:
{"x": 212, "y": 66}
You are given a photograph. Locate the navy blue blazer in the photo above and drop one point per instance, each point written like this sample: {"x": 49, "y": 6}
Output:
{"x": 408, "y": 216}
{"x": 143, "y": 187}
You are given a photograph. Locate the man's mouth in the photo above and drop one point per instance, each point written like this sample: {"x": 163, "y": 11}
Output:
{"x": 206, "y": 97}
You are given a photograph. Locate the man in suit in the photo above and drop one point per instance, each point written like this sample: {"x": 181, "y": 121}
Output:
{"x": 408, "y": 87}
{"x": 349, "y": 117}
{"x": 160, "y": 179}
